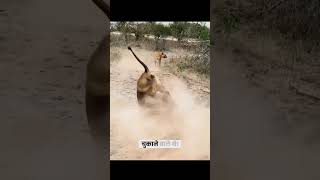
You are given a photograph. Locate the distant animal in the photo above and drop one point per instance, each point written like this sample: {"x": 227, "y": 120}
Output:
{"x": 150, "y": 92}
{"x": 97, "y": 82}
{"x": 158, "y": 57}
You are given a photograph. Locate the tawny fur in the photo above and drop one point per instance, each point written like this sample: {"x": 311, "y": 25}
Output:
{"x": 159, "y": 55}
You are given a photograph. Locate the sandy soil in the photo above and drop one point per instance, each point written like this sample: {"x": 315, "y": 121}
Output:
{"x": 189, "y": 121}
{"x": 251, "y": 136}
{"x": 44, "y": 48}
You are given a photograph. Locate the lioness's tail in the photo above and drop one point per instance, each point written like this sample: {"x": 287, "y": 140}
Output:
{"x": 103, "y": 6}
{"x": 146, "y": 69}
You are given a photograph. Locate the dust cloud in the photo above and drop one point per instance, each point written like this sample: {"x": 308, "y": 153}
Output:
{"x": 187, "y": 121}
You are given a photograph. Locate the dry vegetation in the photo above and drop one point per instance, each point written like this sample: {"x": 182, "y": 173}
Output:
{"x": 184, "y": 56}
{"x": 198, "y": 63}
{"x": 277, "y": 43}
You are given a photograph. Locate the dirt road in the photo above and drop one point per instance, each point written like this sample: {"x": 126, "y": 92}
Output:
{"x": 189, "y": 122}
{"x": 44, "y": 48}
{"x": 251, "y": 137}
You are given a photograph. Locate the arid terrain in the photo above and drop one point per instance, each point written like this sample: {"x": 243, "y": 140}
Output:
{"x": 260, "y": 129}
{"x": 265, "y": 105}
{"x": 251, "y": 136}
{"x": 189, "y": 122}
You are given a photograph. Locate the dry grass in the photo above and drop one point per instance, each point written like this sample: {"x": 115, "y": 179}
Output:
{"x": 185, "y": 56}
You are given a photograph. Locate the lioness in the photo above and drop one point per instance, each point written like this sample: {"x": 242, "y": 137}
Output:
{"x": 158, "y": 56}
{"x": 97, "y": 82}
{"x": 150, "y": 92}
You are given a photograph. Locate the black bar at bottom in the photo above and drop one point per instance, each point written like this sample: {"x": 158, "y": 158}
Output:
{"x": 160, "y": 169}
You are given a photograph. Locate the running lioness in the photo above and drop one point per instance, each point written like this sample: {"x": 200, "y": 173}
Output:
{"x": 150, "y": 92}
{"x": 97, "y": 82}
{"x": 158, "y": 57}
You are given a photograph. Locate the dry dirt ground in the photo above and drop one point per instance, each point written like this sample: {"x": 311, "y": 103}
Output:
{"x": 251, "y": 135}
{"x": 44, "y": 49}
{"x": 190, "y": 121}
